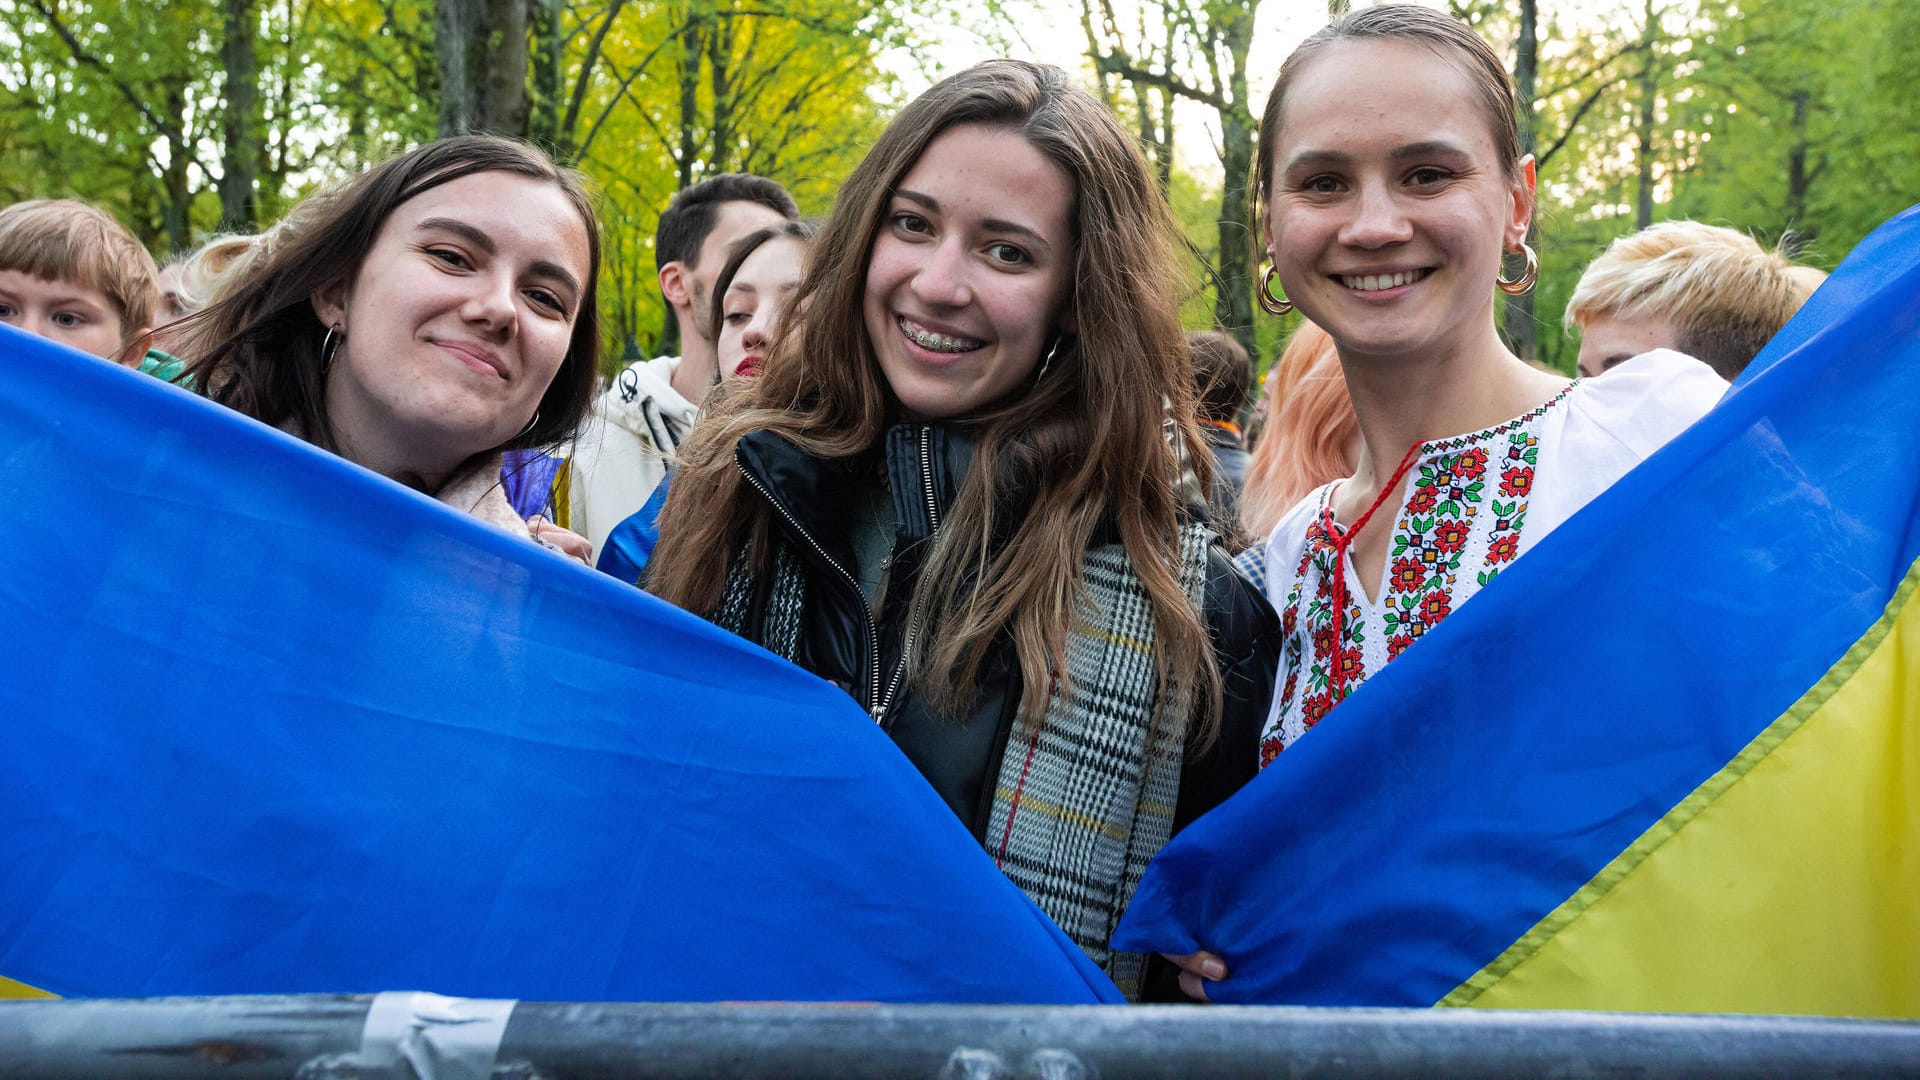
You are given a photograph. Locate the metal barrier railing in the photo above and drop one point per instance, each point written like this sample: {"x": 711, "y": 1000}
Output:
{"x": 422, "y": 1036}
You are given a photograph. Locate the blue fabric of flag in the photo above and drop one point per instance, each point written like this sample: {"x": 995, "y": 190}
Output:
{"x": 1487, "y": 774}
{"x": 274, "y": 724}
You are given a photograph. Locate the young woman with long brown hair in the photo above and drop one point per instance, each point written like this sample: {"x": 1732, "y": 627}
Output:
{"x": 419, "y": 320}
{"x": 950, "y": 493}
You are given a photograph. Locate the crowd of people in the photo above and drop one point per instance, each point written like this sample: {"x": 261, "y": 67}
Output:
{"x": 950, "y": 449}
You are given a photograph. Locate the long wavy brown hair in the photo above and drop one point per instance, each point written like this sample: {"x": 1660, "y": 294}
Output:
{"x": 1082, "y": 448}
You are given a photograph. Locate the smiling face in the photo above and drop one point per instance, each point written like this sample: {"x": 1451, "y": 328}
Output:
{"x": 750, "y": 311}
{"x": 969, "y": 272}
{"x": 1389, "y": 207}
{"x": 78, "y": 316}
{"x": 455, "y": 322}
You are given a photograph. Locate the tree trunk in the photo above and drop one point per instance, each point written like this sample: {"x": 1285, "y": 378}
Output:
{"x": 243, "y": 143}
{"x": 504, "y": 56}
{"x": 543, "y": 120}
{"x": 175, "y": 211}
{"x": 1643, "y": 132}
{"x": 1798, "y": 179}
{"x": 483, "y": 65}
{"x": 1233, "y": 307}
{"x": 1521, "y": 324}
{"x": 720, "y": 73}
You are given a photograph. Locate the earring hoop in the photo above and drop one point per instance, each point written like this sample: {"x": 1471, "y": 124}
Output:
{"x": 329, "y": 346}
{"x": 531, "y": 424}
{"x": 1527, "y": 277}
{"x": 1268, "y": 303}
{"x": 1047, "y": 360}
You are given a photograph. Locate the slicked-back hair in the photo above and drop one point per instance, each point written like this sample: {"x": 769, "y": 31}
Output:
{"x": 257, "y": 349}
{"x": 1080, "y": 447}
{"x": 1448, "y": 37}
{"x": 1724, "y": 295}
{"x": 690, "y": 217}
{"x": 79, "y": 243}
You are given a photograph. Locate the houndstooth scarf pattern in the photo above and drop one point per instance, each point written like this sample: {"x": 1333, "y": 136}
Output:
{"x": 1084, "y": 803}
{"x": 1085, "y": 800}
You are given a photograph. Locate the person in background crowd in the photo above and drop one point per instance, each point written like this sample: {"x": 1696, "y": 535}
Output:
{"x": 749, "y": 299}
{"x": 1309, "y": 436}
{"x": 433, "y": 312}
{"x": 70, "y": 273}
{"x": 1223, "y": 373}
{"x": 1392, "y": 182}
{"x": 188, "y": 282}
{"x": 1712, "y": 293}
{"x": 638, "y": 422}
{"x": 950, "y": 494}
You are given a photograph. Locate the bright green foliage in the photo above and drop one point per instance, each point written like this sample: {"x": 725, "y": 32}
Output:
{"x": 123, "y": 105}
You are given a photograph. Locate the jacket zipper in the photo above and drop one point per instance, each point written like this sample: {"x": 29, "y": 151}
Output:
{"x": 873, "y": 632}
{"x": 913, "y": 617}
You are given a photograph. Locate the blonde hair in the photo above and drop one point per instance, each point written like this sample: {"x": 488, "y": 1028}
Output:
{"x": 1309, "y": 432}
{"x": 1724, "y": 294}
{"x": 68, "y": 240}
{"x": 203, "y": 269}
{"x": 1083, "y": 446}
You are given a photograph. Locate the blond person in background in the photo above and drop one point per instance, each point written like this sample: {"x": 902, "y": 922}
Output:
{"x": 70, "y": 273}
{"x": 1712, "y": 293}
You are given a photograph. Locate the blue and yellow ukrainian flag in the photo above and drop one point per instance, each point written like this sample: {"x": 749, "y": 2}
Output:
{"x": 1669, "y": 762}
{"x": 272, "y": 724}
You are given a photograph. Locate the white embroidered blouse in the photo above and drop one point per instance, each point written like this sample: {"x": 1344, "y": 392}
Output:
{"x": 1473, "y": 504}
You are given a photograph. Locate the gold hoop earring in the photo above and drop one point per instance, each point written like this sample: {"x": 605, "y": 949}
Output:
{"x": 1268, "y": 304}
{"x": 1527, "y": 277}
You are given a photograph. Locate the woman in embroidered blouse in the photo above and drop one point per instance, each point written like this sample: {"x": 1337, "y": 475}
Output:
{"x": 1392, "y": 180}
{"x": 950, "y": 494}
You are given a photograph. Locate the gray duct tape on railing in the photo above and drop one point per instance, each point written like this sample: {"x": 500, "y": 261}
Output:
{"x": 419, "y": 1036}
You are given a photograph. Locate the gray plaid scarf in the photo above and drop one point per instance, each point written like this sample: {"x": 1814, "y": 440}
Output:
{"x": 1084, "y": 801}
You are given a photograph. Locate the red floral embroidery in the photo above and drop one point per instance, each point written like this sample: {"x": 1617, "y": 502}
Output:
{"x": 1270, "y": 748}
{"x": 1503, "y": 548}
{"x": 1316, "y": 707}
{"x": 1465, "y": 512}
{"x": 1350, "y": 666}
{"x": 1408, "y": 573}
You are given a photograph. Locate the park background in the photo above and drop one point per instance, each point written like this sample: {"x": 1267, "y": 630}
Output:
{"x": 1793, "y": 120}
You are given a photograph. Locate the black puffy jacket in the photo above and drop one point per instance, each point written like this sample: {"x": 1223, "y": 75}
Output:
{"x": 816, "y": 499}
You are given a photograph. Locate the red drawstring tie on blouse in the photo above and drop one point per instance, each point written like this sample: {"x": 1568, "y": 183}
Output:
{"x": 1341, "y": 542}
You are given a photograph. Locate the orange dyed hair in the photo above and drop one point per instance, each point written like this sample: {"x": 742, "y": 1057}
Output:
{"x": 1309, "y": 432}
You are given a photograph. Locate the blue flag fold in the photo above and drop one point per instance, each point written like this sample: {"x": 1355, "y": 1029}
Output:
{"x": 274, "y": 724}
{"x": 1490, "y": 788}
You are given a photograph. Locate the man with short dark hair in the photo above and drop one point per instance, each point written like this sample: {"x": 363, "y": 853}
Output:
{"x": 629, "y": 443}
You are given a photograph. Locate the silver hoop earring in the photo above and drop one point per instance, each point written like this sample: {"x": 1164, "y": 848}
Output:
{"x": 531, "y": 424}
{"x": 1047, "y": 360}
{"x": 328, "y": 346}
